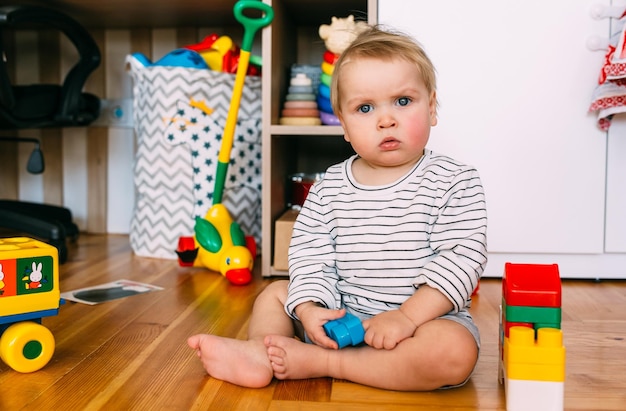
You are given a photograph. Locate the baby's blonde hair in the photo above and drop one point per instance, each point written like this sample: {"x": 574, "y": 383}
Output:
{"x": 384, "y": 44}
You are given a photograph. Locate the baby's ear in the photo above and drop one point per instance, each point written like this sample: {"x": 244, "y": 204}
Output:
{"x": 433, "y": 108}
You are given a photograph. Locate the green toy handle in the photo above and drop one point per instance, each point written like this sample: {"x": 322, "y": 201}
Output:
{"x": 251, "y": 25}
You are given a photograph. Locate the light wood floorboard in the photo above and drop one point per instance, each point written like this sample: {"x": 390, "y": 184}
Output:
{"x": 131, "y": 354}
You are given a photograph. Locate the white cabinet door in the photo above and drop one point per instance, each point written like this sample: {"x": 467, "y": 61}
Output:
{"x": 514, "y": 84}
{"x": 616, "y": 187}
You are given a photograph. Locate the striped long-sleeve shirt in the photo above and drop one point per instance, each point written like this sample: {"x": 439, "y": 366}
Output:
{"x": 369, "y": 248}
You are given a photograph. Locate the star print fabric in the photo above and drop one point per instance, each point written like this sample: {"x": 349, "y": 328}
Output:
{"x": 202, "y": 133}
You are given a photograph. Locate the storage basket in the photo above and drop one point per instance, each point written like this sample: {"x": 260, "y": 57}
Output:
{"x": 169, "y": 105}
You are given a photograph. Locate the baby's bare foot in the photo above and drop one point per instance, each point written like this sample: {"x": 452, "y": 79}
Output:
{"x": 293, "y": 359}
{"x": 239, "y": 362}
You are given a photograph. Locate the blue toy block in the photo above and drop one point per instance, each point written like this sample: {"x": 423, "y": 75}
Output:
{"x": 346, "y": 330}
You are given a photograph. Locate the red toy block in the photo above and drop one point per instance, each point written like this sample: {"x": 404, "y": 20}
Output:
{"x": 532, "y": 285}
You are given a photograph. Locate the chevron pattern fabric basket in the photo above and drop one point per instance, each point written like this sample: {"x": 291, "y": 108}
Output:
{"x": 166, "y": 198}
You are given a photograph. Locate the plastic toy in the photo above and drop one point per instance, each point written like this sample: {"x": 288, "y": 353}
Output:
{"x": 221, "y": 54}
{"x": 534, "y": 370}
{"x": 29, "y": 291}
{"x": 340, "y": 33}
{"x": 532, "y": 356}
{"x": 536, "y": 315}
{"x": 541, "y": 359}
{"x": 300, "y": 107}
{"x": 329, "y": 119}
{"x": 222, "y": 244}
{"x": 531, "y": 294}
{"x": 346, "y": 330}
{"x": 532, "y": 285}
{"x": 337, "y": 37}
{"x": 213, "y": 52}
{"x": 203, "y": 45}
{"x": 213, "y": 49}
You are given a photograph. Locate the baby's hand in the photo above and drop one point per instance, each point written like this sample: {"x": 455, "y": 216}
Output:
{"x": 387, "y": 329}
{"x": 313, "y": 318}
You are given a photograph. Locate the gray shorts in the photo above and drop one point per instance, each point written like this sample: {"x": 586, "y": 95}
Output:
{"x": 465, "y": 319}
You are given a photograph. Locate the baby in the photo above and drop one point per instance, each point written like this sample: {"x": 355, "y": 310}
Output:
{"x": 395, "y": 235}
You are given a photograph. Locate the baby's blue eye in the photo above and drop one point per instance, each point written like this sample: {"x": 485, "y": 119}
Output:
{"x": 404, "y": 101}
{"x": 365, "y": 108}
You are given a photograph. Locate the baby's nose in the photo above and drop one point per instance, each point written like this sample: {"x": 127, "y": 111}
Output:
{"x": 386, "y": 121}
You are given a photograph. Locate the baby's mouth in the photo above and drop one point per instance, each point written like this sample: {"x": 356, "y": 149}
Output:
{"x": 389, "y": 143}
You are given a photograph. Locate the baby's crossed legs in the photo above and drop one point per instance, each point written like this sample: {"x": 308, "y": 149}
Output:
{"x": 441, "y": 352}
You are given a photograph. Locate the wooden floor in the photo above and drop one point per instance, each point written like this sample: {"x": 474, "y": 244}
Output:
{"x": 131, "y": 354}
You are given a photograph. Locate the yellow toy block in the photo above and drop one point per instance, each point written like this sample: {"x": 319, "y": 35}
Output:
{"x": 535, "y": 372}
{"x": 29, "y": 276}
{"x": 542, "y": 359}
{"x": 546, "y": 349}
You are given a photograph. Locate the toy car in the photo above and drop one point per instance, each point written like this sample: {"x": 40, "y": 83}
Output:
{"x": 29, "y": 291}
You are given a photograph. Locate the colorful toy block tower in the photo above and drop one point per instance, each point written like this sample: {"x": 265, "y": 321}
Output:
{"x": 337, "y": 36}
{"x": 532, "y": 355}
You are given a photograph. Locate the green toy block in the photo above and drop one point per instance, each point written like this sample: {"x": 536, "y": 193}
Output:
{"x": 543, "y": 315}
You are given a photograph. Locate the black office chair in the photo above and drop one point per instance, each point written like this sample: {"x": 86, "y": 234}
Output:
{"x": 45, "y": 105}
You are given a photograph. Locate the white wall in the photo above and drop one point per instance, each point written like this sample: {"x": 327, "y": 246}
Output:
{"x": 515, "y": 81}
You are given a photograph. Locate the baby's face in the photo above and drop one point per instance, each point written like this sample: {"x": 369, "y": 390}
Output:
{"x": 386, "y": 111}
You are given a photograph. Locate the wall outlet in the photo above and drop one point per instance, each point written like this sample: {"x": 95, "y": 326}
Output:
{"x": 115, "y": 113}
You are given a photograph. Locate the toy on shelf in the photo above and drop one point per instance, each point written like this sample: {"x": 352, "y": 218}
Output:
{"x": 532, "y": 355}
{"x": 337, "y": 37}
{"x": 346, "y": 330}
{"x": 29, "y": 291}
{"x": 221, "y": 244}
{"x": 300, "y": 108}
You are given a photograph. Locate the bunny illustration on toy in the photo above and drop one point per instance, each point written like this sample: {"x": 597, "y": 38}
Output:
{"x": 1, "y": 280}
{"x": 34, "y": 278}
